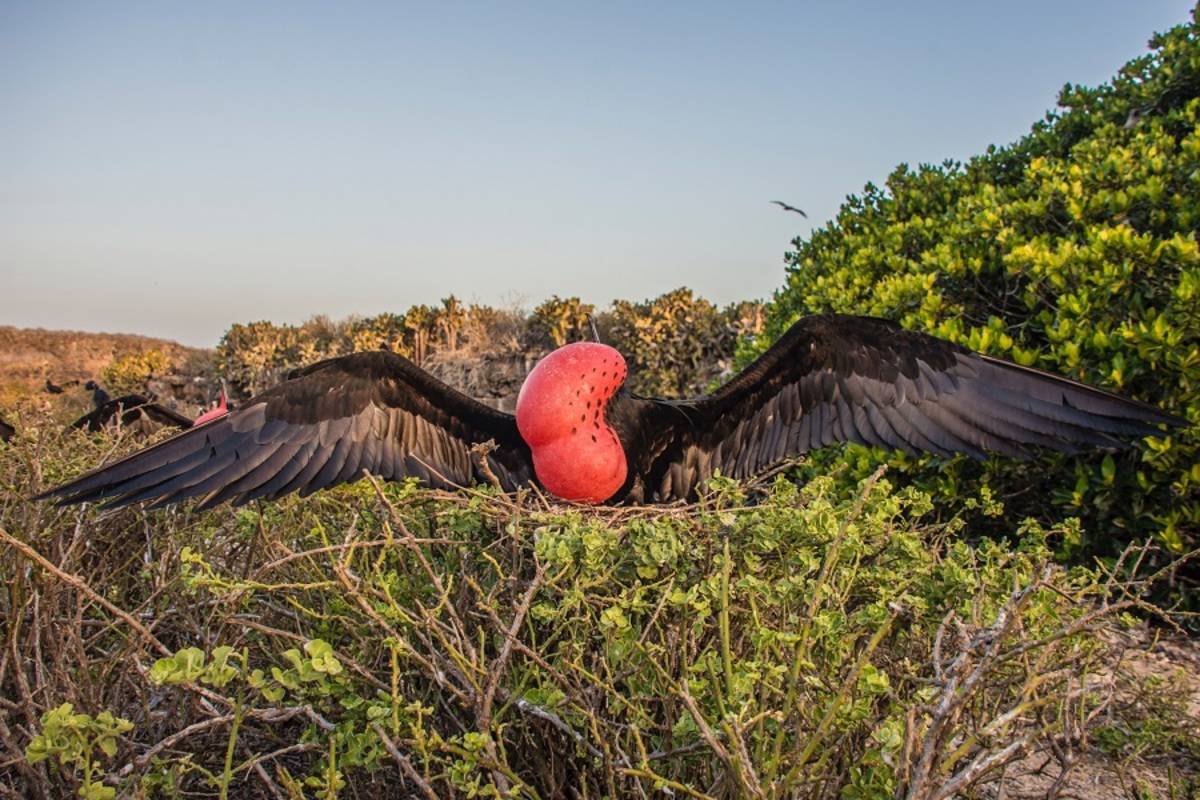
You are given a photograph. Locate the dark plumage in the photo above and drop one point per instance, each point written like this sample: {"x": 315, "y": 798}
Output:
{"x": 828, "y": 379}
{"x": 323, "y": 426}
{"x": 99, "y": 396}
{"x": 786, "y": 207}
{"x": 6, "y": 431}
{"x": 133, "y": 410}
{"x": 835, "y": 378}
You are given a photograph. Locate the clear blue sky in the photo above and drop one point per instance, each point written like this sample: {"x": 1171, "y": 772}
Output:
{"x": 171, "y": 168}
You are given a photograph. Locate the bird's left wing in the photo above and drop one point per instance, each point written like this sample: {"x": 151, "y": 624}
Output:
{"x": 367, "y": 411}
{"x": 836, "y": 378}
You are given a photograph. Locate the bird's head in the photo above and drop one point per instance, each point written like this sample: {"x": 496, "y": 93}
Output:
{"x": 561, "y": 416}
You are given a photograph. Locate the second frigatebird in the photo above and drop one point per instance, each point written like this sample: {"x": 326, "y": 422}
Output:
{"x": 133, "y": 410}
{"x": 581, "y": 435}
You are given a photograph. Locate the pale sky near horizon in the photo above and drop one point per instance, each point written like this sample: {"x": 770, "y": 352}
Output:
{"x": 169, "y": 169}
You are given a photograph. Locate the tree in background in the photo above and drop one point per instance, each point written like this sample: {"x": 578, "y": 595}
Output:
{"x": 558, "y": 321}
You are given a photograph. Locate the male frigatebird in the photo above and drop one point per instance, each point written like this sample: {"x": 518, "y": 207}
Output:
{"x": 582, "y": 436}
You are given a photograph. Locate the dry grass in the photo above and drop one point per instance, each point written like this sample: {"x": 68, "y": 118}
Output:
{"x": 29, "y": 356}
{"x": 806, "y": 644}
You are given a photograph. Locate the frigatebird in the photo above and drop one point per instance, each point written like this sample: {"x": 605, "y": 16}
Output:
{"x": 54, "y": 388}
{"x": 786, "y": 207}
{"x": 581, "y": 435}
{"x": 100, "y": 397}
{"x": 132, "y": 409}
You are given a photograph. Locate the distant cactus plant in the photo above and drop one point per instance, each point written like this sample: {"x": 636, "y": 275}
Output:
{"x": 677, "y": 344}
{"x": 558, "y": 321}
{"x": 451, "y": 318}
{"x": 419, "y": 321}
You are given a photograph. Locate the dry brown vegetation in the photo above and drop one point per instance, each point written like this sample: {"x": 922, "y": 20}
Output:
{"x": 30, "y": 356}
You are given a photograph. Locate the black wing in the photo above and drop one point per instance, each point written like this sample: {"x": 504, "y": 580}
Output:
{"x": 130, "y": 408}
{"x": 324, "y": 426}
{"x": 6, "y": 431}
{"x": 166, "y": 416}
{"x": 786, "y": 207}
{"x": 859, "y": 379}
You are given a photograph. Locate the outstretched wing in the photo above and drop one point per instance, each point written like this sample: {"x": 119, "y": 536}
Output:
{"x": 858, "y": 379}
{"x": 324, "y": 426}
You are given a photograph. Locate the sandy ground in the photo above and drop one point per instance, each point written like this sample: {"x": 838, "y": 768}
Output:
{"x": 1142, "y": 657}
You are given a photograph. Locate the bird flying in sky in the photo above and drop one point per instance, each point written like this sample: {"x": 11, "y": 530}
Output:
{"x": 582, "y": 436}
{"x": 786, "y": 207}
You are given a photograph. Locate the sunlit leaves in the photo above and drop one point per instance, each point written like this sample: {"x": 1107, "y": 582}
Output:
{"x": 1071, "y": 250}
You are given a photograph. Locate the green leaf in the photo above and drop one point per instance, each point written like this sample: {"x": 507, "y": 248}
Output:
{"x": 1108, "y": 469}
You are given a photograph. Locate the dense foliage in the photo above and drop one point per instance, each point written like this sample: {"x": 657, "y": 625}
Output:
{"x": 677, "y": 344}
{"x": 1073, "y": 250}
{"x": 822, "y": 642}
{"x": 130, "y": 373}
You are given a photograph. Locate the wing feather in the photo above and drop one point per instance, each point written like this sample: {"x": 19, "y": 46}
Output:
{"x": 326, "y": 424}
{"x": 271, "y": 487}
{"x": 865, "y": 380}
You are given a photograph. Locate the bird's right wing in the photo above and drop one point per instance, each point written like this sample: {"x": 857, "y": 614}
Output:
{"x": 839, "y": 378}
{"x": 366, "y": 411}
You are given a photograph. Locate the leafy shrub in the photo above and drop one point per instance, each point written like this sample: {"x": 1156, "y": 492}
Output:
{"x": 74, "y": 739}
{"x": 818, "y": 642}
{"x": 677, "y": 343}
{"x": 1073, "y": 250}
{"x": 129, "y": 373}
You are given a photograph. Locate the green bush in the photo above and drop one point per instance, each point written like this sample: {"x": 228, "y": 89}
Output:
{"x": 1073, "y": 250}
{"x": 129, "y": 373}
{"x": 814, "y": 642}
{"x": 677, "y": 344}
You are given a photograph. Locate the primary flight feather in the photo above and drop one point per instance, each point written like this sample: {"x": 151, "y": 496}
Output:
{"x": 581, "y": 435}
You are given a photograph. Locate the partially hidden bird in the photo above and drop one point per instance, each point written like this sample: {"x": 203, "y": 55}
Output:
{"x": 581, "y": 435}
{"x": 134, "y": 410}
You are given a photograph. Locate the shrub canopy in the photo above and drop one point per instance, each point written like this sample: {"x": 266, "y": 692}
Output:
{"x": 1073, "y": 250}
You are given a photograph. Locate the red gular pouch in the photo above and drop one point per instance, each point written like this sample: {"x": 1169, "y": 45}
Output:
{"x": 216, "y": 412}
{"x": 560, "y": 415}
